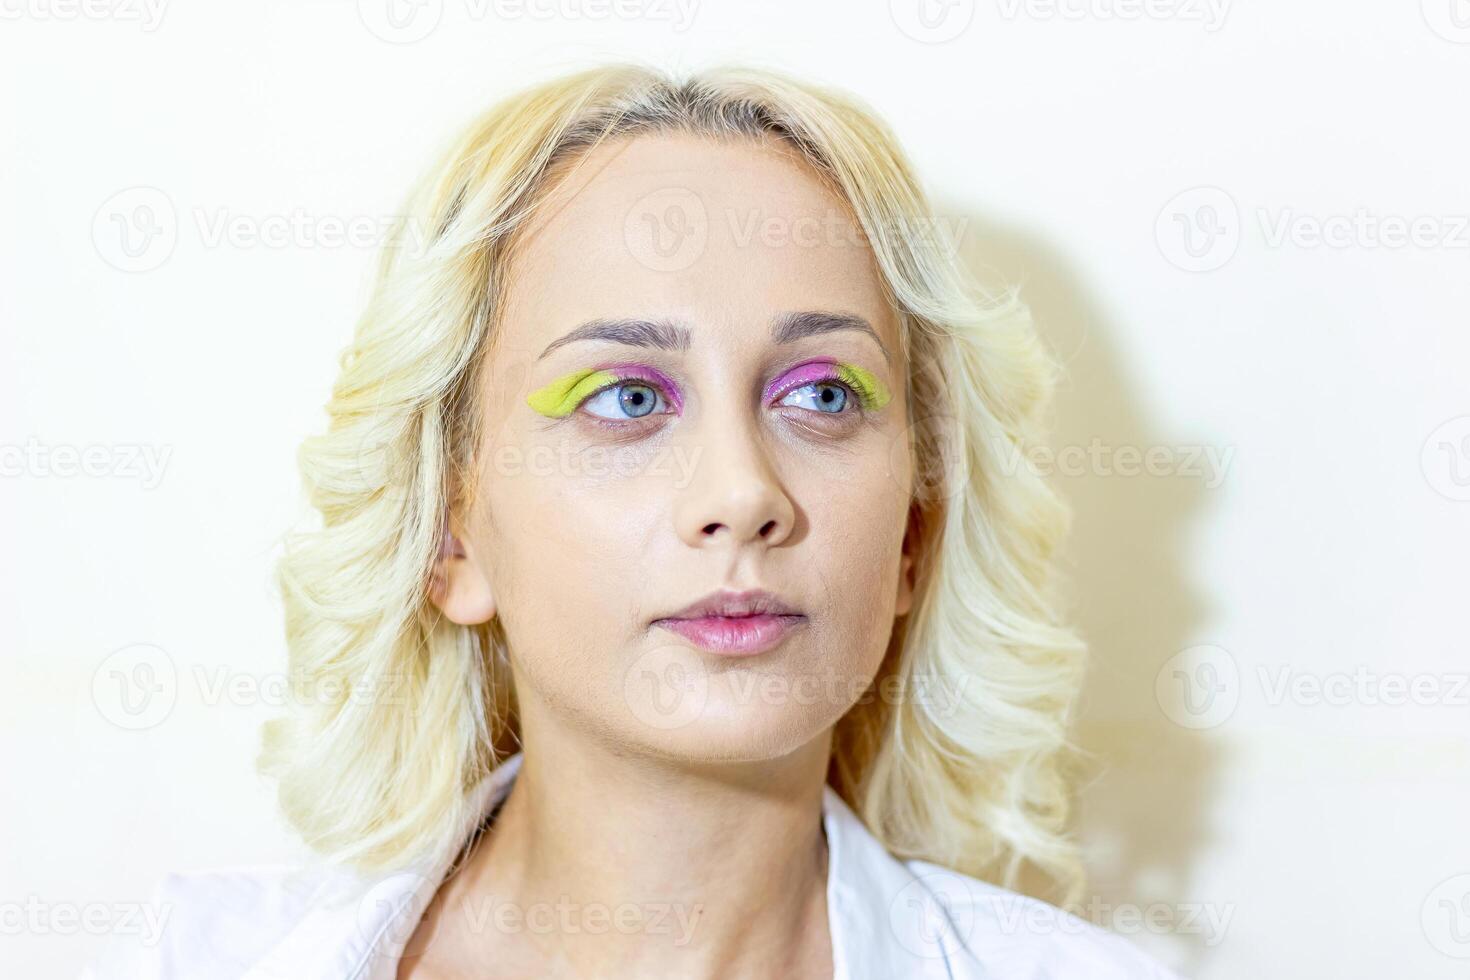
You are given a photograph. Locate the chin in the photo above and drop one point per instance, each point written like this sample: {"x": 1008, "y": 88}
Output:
{"x": 733, "y": 716}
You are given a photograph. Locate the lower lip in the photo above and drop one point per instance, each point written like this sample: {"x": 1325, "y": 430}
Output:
{"x": 734, "y": 636}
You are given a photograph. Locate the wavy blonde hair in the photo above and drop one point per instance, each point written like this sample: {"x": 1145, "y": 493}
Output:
{"x": 376, "y": 773}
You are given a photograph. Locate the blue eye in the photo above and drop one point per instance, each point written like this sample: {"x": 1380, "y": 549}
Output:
{"x": 625, "y": 401}
{"x": 829, "y": 397}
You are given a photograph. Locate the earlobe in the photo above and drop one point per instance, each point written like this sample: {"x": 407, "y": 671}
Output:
{"x": 459, "y": 586}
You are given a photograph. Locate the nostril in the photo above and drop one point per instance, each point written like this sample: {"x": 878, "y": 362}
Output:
{"x": 767, "y": 528}
{"x": 711, "y": 528}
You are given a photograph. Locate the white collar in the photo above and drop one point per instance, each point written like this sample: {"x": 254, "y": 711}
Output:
{"x": 883, "y": 917}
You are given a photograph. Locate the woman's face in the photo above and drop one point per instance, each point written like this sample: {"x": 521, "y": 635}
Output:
{"x": 696, "y": 389}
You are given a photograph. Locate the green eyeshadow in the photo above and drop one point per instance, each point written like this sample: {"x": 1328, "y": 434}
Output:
{"x": 560, "y": 398}
{"x": 870, "y": 390}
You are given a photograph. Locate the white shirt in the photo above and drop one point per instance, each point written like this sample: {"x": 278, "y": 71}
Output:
{"x": 888, "y": 919}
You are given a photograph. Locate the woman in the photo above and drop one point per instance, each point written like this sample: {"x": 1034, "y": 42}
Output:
{"x": 674, "y": 609}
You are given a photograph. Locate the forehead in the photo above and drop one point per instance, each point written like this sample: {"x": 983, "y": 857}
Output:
{"x": 721, "y": 234}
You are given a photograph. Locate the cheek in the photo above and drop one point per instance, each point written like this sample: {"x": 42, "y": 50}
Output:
{"x": 570, "y": 551}
{"x": 855, "y": 546}
{"x": 568, "y": 531}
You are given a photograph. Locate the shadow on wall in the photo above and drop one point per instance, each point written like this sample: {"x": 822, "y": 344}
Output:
{"x": 1146, "y": 793}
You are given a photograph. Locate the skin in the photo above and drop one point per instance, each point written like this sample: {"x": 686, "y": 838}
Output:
{"x": 710, "y": 811}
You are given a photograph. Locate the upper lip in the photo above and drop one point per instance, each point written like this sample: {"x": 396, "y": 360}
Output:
{"x": 753, "y": 602}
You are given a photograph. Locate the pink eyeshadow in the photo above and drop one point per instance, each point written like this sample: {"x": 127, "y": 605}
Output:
{"x": 800, "y": 375}
{"x": 642, "y": 372}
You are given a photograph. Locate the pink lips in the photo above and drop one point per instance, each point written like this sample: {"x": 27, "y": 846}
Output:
{"x": 735, "y": 623}
{"x": 733, "y": 635}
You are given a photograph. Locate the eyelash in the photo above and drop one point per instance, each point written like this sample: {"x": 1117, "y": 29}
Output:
{"x": 852, "y": 404}
{"x": 622, "y": 383}
{"x": 852, "y": 398}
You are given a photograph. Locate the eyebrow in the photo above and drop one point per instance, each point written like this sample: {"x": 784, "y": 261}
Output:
{"x": 671, "y": 335}
{"x": 663, "y": 334}
{"x": 789, "y": 327}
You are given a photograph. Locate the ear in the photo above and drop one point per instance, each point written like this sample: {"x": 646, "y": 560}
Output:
{"x": 460, "y": 585}
{"x": 911, "y": 537}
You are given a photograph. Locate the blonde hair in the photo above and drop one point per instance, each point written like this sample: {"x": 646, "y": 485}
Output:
{"x": 376, "y": 774}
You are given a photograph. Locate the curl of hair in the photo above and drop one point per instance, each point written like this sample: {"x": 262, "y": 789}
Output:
{"x": 396, "y": 712}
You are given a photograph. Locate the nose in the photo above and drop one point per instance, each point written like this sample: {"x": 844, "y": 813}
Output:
{"x": 735, "y": 496}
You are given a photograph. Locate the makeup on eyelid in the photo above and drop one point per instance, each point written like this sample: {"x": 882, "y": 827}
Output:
{"x": 561, "y": 397}
{"x": 870, "y": 391}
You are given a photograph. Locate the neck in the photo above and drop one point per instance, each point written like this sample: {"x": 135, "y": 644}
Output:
{"x": 617, "y": 864}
